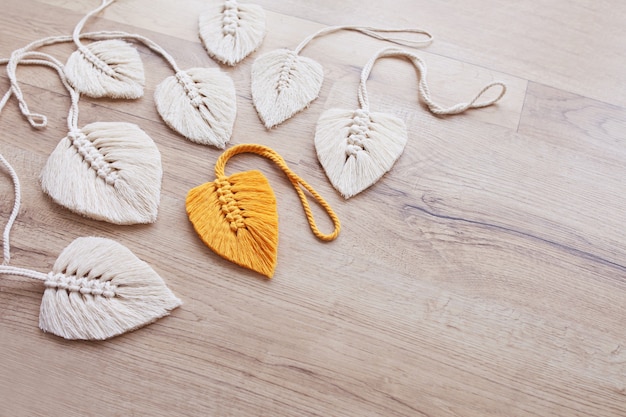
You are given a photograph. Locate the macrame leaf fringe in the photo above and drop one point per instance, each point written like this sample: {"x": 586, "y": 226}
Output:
{"x": 283, "y": 84}
{"x": 232, "y": 31}
{"x": 200, "y": 104}
{"x": 110, "y": 68}
{"x": 237, "y": 218}
{"x": 106, "y": 171}
{"x": 99, "y": 289}
{"x": 356, "y": 148}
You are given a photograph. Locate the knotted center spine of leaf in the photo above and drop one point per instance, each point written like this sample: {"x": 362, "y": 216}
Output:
{"x": 359, "y": 131}
{"x": 73, "y": 283}
{"x": 93, "y": 157}
{"x": 190, "y": 88}
{"x": 286, "y": 72}
{"x": 230, "y": 207}
{"x": 230, "y": 18}
{"x": 99, "y": 64}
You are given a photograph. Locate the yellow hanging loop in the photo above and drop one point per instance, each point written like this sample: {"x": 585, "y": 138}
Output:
{"x": 297, "y": 182}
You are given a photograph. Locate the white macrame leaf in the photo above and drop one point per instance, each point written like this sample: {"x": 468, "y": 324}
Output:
{"x": 200, "y": 104}
{"x": 356, "y": 148}
{"x": 98, "y": 289}
{"x": 106, "y": 171}
{"x": 232, "y": 31}
{"x": 284, "y": 83}
{"x": 114, "y": 70}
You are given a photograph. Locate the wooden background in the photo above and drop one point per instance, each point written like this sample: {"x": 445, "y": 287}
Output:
{"x": 485, "y": 275}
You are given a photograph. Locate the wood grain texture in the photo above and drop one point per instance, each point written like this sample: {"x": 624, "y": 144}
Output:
{"x": 484, "y": 275}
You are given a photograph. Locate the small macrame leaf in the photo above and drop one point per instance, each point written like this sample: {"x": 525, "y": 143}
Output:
{"x": 356, "y": 148}
{"x": 110, "y": 68}
{"x": 236, "y": 217}
{"x": 106, "y": 171}
{"x": 200, "y": 104}
{"x": 98, "y": 289}
{"x": 232, "y": 31}
{"x": 284, "y": 83}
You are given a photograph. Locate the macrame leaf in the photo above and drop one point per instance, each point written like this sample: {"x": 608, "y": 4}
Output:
{"x": 98, "y": 289}
{"x": 237, "y": 218}
{"x": 112, "y": 69}
{"x": 284, "y": 83}
{"x": 106, "y": 171}
{"x": 356, "y": 148}
{"x": 200, "y": 104}
{"x": 232, "y": 31}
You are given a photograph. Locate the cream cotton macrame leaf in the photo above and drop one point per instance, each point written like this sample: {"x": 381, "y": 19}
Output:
{"x": 356, "y": 148}
{"x": 97, "y": 288}
{"x": 107, "y": 171}
{"x": 284, "y": 83}
{"x": 232, "y": 31}
{"x": 200, "y": 104}
{"x": 110, "y": 68}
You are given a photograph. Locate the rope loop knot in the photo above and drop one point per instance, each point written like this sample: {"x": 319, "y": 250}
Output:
{"x": 92, "y": 155}
{"x": 81, "y": 285}
{"x": 230, "y": 207}
{"x": 286, "y": 71}
{"x": 190, "y": 88}
{"x": 358, "y": 132}
{"x": 230, "y": 19}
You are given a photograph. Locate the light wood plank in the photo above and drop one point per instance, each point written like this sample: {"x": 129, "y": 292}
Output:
{"x": 483, "y": 275}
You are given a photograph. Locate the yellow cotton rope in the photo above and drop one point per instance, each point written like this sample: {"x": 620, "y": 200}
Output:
{"x": 297, "y": 182}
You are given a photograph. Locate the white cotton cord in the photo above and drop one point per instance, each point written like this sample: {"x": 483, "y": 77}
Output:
{"x": 22, "y": 272}
{"x": 377, "y": 33}
{"x": 42, "y": 59}
{"x": 6, "y": 246}
{"x": 37, "y": 120}
{"x": 76, "y": 34}
{"x": 423, "y": 89}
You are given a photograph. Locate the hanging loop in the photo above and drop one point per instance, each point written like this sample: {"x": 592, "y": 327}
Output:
{"x": 297, "y": 182}
{"x": 377, "y": 33}
{"x": 423, "y": 88}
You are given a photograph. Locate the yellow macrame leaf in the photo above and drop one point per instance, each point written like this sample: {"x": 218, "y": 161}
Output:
{"x": 236, "y": 217}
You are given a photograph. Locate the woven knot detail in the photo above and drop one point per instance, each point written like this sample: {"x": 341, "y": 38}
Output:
{"x": 230, "y": 18}
{"x": 230, "y": 209}
{"x": 93, "y": 157}
{"x": 98, "y": 63}
{"x": 190, "y": 88}
{"x": 286, "y": 72}
{"x": 358, "y": 132}
{"x": 81, "y": 285}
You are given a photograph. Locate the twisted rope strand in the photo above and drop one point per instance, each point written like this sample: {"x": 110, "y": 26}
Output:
{"x": 374, "y": 33}
{"x": 297, "y": 182}
{"x": 6, "y": 246}
{"x": 423, "y": 88}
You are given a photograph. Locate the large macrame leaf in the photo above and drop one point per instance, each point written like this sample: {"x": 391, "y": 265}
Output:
{"x": 98, "y": 289}
{"x": 284, "y": 83}
{"x": 106, "y": 171}
{"x": 110, "y": 68}
{"x": 200, "y": 104}
{"x": 236, "y": 217}
{"x": 356, "y": 148}
{"x": 232, "y": 31}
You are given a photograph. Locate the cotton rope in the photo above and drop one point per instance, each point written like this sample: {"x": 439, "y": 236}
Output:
{"x": 236, "y": 215}
{"x": 97, "y": 288}
{"x": 284, "y": 83}
{"x": 423, "y": 88}
{"x": 127, "y": 163}
{"x": 357, "y": 147}
{"x": 297, "y": 182}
